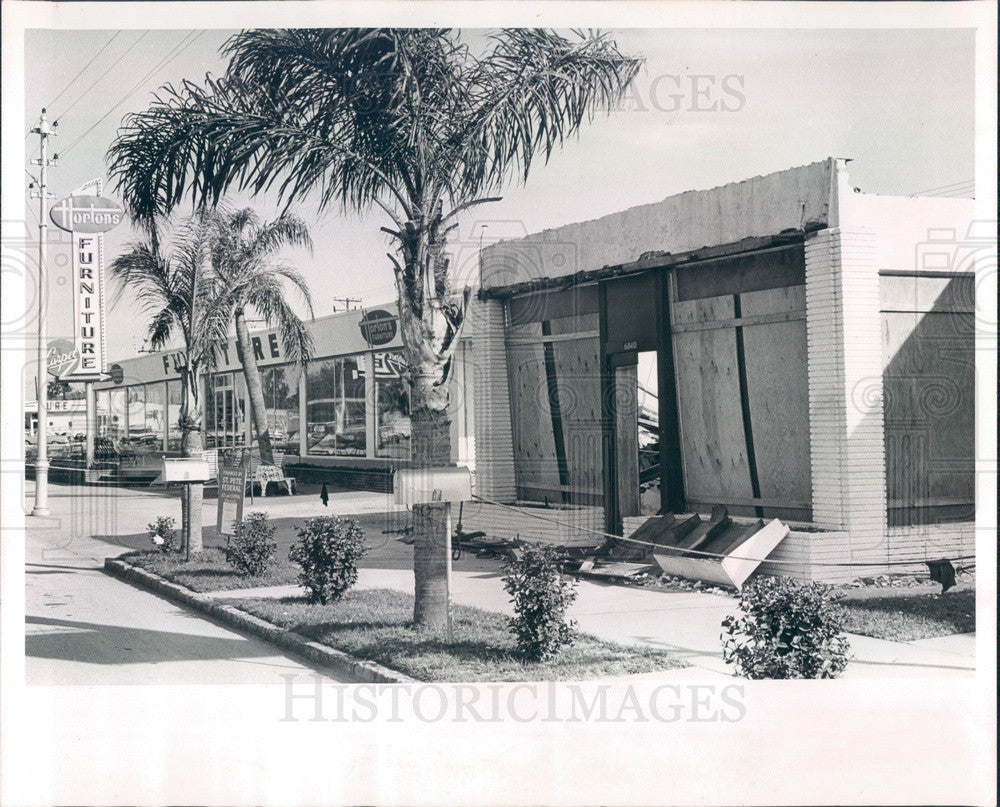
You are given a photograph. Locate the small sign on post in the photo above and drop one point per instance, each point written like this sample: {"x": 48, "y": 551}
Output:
{"x": 232, "y": 491}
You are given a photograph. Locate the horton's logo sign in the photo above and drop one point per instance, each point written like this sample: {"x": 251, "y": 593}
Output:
{"x": 378, "y": 327}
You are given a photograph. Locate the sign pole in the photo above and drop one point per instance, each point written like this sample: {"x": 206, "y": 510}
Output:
{"x": 41, "y": 508}
{"x": 91, "y": 422}
{"x": 447, "y": 560}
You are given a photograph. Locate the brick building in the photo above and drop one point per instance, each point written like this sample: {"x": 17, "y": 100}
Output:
{"x": 786, "y": 347}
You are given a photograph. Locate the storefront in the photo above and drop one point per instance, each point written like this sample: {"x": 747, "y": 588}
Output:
{"x": 346, "y": 416}
{"x": 779, "y": 347}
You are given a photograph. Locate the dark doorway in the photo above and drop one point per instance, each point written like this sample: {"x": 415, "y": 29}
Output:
{"x": 642, "y": 462}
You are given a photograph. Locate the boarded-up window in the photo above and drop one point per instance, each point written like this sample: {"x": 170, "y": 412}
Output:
{"x": 928, "y": 343}
{"x": 739, "y": 336}
{"x": 555, "y": 388}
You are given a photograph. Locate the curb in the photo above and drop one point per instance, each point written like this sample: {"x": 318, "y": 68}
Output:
{"x": 336, "y": 661}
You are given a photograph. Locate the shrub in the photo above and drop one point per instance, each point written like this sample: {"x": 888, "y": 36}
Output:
{"x": 328, "y": 551}
{"x": 162, "y": 533}
{"x": 251, "y": 550}
{"x": 787, "y": 630}
{"x": 540, "y": 595}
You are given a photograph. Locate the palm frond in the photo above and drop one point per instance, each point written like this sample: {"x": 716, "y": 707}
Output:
{"x": 531, "y": 92}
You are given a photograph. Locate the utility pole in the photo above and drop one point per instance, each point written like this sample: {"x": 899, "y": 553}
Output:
{"x": 44, "y": 130}
{"x": 346, "y": 301}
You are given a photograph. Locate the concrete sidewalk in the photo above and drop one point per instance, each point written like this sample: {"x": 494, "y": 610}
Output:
{"x": 83, "y": 627}
{"x": 687, "y": 624}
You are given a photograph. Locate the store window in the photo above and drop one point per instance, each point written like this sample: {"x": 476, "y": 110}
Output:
{"x": 135, "y": 416}
{"x": 174, "y": 435}
{"x": 111, "y": 415}
{"x": 226, "y": 411}
{"x": 336, "y": 407}
{"x": 155, "y": 421}
{"x": 392, "y": 411}
{"x": 281, "y": 400}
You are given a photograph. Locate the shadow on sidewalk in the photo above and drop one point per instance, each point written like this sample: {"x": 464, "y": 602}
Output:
{"x": 93, "y": 643}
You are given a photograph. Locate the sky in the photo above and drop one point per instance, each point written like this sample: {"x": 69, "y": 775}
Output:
{"x": 710, "y": 106}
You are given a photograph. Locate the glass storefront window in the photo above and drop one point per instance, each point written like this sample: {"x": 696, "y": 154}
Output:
{"x": 135, "y": 416}
{"x": 336, "y": 407}
{"x": 281, "y": 400}
{"x": 174, "y": 435}
{"x": 116, "y": 415}
{"x": 226, "y": 411}
{"x": 392, "y": 409}
{"x": 155, "y": 415}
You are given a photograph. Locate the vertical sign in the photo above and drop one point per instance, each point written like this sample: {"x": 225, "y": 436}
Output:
{"x": 87, "y": 217}
{"x": 232, "y": 489}
{"x": 88, "y": 303}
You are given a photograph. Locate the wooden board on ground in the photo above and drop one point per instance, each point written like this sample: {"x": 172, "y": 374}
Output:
{"x": 663, "y": 530}
{"x": 706, "y": 531}
{"x": 731, "y": 538}
{"x": 751, "y": 550}
{"x": 754, "y": 550}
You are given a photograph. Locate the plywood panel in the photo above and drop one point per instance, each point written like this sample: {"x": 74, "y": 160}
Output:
{"x": 708, "y": 309}
{"x": 900, "y": 293}
{"x": 778, "y": 393}
{"x": 713, "y": 444}
{"x": 929, "y": 382}
{"x": 786, "y": 299}
{"x": 579, "y": 384}
{"x": 534, "y": 446}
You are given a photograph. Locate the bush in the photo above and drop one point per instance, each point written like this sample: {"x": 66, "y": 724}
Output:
{"x": 787, "y": 630}
{"x": 162, "y": 533}
{"x": 328, "y": 552}
{"x": 252, "y": 549}
{"x": 540, "y": 595}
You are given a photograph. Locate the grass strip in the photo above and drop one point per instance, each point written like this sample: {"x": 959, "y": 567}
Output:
{"x": 374, "y": 624}
{"x": 908, "y": 618}
{"x": 208, "y": 570}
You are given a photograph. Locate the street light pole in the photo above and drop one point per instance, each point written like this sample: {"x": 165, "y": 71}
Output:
{"x": 44, "y": 130}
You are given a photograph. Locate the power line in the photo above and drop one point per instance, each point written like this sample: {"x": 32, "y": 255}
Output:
{"x": 930, "y": 191}
{"x": 84, "y": 69}
{"x": 176, "y": 51}
{"x": 112, "y": 66}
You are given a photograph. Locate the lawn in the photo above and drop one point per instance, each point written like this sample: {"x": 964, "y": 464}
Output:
{"x": 208, "y": 570}
{"x": 374, "y": 624}
{"x": 916, "y": 616}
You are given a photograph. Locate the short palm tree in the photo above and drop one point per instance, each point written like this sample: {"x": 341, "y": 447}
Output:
{"x": 174, "y": 283}
{"x": 244, "y": 256}
{"x": 409, "y": 120}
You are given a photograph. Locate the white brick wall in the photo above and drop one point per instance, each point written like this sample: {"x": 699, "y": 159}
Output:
{"x": 845, "y": 388}
{"x": 494, "y": 437}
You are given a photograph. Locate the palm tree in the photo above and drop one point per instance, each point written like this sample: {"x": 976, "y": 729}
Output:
{"x": 187, "y": 303}
{"x": 243, "y": 256}
{"x": 408, "y": 120}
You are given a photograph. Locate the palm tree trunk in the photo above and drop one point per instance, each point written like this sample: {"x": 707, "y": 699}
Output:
{"x": 430, "y": 444}
{"x": 191, "y": 446}
{"x": 255, "y": 391}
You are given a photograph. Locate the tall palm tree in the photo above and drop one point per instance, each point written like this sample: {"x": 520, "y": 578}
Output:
{"x": 244, "y": 256}
{"x": 409, "y": 120}
{"x": 187, "y": 304}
